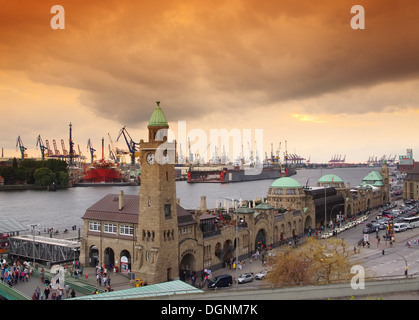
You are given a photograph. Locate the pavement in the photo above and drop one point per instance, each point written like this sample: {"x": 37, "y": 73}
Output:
{"x": 118, "y": 282}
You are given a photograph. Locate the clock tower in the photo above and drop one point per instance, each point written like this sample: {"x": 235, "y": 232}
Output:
{"x": 157, "y": 248}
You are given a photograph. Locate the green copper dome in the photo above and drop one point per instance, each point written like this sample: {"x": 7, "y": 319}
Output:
{"x": 158, "y": 119}
{"x": 329, "y": 178}
{"x": 285, "y": 182}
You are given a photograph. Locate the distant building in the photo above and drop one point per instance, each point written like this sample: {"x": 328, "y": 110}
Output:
{"x": 406, "y": 162}
{"x": 411, "y": 184}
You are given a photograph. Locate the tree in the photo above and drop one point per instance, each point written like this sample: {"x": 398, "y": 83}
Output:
{"x": 44, "y": 177}
{"x": 317, "y": 261}
{"x": 63, "y": 179}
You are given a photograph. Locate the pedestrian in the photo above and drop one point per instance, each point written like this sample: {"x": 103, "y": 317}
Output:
{"x": 73, "y": 293}
{"x": 109, "y": 281}
{"x": 46, "y": 292}
{"x": 42, "y": 275}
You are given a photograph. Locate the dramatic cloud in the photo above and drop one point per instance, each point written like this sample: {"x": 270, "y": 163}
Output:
{"x": 205, "y": 58}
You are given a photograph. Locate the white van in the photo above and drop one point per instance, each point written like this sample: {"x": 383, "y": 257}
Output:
{"x": 399, "y": 227}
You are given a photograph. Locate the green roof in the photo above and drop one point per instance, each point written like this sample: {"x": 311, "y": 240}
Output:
{"x": 244, "y": 210}
{"x": 170, "y": 288}
{"x": 158, "y": 119}
{"x": 264, "y": 206}
{"x": 373, "y": 178}
{"x": 285, "y": 182}
{"x": 329, "y": 178}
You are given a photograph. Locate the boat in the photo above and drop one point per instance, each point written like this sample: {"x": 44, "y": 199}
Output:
{"x": 237, "y": 174}
{"x": 102, "y": 173}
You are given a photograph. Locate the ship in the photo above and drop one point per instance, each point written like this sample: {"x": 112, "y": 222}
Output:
{"x": 102, "y": 173}
{"x": 238, "y": 174}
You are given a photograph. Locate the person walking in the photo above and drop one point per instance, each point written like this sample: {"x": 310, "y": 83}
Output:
{"x": 46, "y": 292}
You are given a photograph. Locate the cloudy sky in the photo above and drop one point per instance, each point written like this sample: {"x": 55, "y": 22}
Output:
{"x": 295, "y": 69}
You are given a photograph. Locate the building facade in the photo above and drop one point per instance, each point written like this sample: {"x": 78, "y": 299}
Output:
{"x": 154, "y": 237}
{"x": 411, "y": 184}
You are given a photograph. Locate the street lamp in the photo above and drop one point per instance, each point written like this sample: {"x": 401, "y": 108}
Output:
{"x": 33, "y": 243}
{"x": 405, "y": 261}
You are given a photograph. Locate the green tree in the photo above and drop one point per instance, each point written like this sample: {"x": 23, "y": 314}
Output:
{"x": 63, "y": 179}
{"x": 44, "y": 177}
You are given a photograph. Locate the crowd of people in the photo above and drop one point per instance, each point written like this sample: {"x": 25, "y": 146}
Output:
{"x": 14, "y": 273}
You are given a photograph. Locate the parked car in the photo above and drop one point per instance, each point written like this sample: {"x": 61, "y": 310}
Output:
{"x": 260, "y": 275}
{"x": 399, "y": 227}
{"x": 224, "y": 280}
{"x": 245, "y": 277}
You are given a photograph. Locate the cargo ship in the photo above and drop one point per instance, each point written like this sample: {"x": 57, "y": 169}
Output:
{"x": 102, "y": 173}
{"x": 237, "y": 174}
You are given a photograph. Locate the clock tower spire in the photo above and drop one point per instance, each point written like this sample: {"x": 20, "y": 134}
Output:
{"x": 156, "y": 254}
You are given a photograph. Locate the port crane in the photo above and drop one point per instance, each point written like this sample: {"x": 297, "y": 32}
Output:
{"x": 48, "y": 148}
{"x": 40, "y": 144}
{"x": 19, "y": 143}
{"x": 65, "y": 152}
{"x": 90, "y": 148}
{"x": 132, "y": 146}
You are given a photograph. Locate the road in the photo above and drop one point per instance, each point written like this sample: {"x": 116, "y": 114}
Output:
{"x": 396, "y": 255}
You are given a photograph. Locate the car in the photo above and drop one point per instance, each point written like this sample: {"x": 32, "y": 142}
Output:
{"x": 260, "y": 275}
{"x": 369, "y": 228}
{"x": 221, "y": 281}
{"x": 399, "y": 227}
{"x": 245, "y": 277}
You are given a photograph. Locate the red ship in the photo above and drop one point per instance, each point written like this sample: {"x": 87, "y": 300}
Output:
{"x": 102, "y": 171}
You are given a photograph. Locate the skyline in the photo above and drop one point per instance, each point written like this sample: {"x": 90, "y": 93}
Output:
{"x": 296, "y": 70}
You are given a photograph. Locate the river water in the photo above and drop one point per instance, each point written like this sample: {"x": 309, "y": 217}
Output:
{"x": 64, "y": 208}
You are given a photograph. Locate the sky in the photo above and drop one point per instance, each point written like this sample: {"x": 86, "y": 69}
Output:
{"x": 297, "y": 70}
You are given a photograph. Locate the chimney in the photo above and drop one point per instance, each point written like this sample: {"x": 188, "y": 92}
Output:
{"x": 121, "y": 200}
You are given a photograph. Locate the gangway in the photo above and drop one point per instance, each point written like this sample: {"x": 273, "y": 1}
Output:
{"x": 43, "y": 248}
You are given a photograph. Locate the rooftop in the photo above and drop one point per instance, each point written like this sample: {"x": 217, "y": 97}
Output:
{"x": 330, "y": 178}
{"x": 285, "y": 182}
{"x": 107, "y": 209}
{"x": 373, "y": 178}
{"x": 158, "y": 119}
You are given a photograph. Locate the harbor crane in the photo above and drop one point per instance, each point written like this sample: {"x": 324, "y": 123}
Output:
{"x": 132, "y": 146}
{"x": 40, "y": 144}
{"x": 65, "y": 152}
{"x": 90, "y": 148}
{"x": 57, "y": 152}
{"x": 48, "y": 148}
{"x": 113, "y": 151}
{"x": 19, "y": 143}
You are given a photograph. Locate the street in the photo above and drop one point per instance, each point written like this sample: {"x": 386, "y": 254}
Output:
{"x": 396, "y": 255}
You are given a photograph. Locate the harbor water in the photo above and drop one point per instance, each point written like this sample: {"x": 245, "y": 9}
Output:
{"x": 63, "y": 209}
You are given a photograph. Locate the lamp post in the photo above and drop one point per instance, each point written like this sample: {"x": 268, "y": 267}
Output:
{"x": 405, "y": 261}
{"x": 33, "y": 243}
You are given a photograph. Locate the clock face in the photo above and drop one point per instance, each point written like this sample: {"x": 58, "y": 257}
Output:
{"x": 151, "y": 158}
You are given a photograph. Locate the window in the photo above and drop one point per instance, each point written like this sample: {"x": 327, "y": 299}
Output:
{"x": 126, "y": 230}
{"x": 167, "y": 211}
{"x": 94, "y": 226}
{"x": 109, "y": 228}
